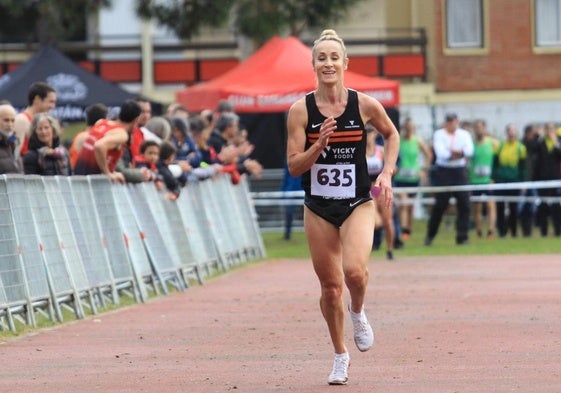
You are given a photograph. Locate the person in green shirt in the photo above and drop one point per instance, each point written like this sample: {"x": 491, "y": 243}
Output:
{"x": 480, "y": 170}
{"x": 409, "y": 172}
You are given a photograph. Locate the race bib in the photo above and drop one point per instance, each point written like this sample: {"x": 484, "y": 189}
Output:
{"x": 334, "y": 181}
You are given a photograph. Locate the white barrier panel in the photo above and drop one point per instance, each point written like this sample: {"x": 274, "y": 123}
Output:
{"x": 171, "y": 217}
{"x": 234, "y": 226}
{"x": 216, "y": 209}
{"x": 61, "y": 284}
{"x": 37, "y": 288}
{"x": 6, "y": 319}
{"x": 140, "y": 263}
{"x": 73, "y": 259}
{"x": 197, "y": 229}
{"x": 112, "y": 236}
{"x": 200, "y": 205}
{"x": 171, "y": 228}
{"x": 14, "y": 294}
{"x": 94, "y": 253}
{"x": 165, "y": 268}
{"x": 246, "y": 217}
{"x": 75, "y": 242}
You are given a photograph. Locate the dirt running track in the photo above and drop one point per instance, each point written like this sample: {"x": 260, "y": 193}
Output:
{"x": 453, "y": 325}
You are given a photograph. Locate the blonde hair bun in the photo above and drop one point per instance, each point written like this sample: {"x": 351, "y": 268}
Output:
{"x": 329, "y": 35}
{"x": 329, "y": 32}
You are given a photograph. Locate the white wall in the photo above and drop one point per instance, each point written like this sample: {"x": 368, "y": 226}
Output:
{"x": 120, "y": 25}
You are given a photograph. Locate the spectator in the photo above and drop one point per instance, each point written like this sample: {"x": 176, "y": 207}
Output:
{"x": 467, "y": 125}
{"x": 46, "y": 155}
{"x": 132, "y": 148}
{"x": 480, "y": 171}
{"x": 509, "y": 166}
{"x": 94, "y": 113}
{"x": 180, "y": 111}
{"x": 224, "y": 106}
{"x": 160, "y": 128}
{"x": 200, "y": 132}
{"x": 41, "y": 97}
{"x": 196, "y": 159}
{"x": 226, "y": 131}
{"x": 9, "y": 163}
{"x": 207, "y": 116}
{"x": 171, "y": 180}
{"x": 171, "y": 107}
{"x": 527, "y": 208}
{"x": 226, "y": 135}
{"x": 140, "y": 132}
{"x": 147, "y": 160}
{"x": 149, "y": 155}
{"x": 547, "y": 167}
{"x": 175, "y": 109}
{"x": 453, "y": 146}
{"x": 409, "y": 172}
{"x": 211, "y": 163}
{"x": 103, "y": 147}
{"x": 182, "y": 140}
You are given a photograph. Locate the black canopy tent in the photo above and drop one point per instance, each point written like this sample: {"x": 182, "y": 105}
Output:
{"x": 76, "y": 87}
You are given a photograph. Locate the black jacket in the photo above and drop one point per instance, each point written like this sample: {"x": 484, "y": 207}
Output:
{"x": 41, "y": 160}
{"x": 8, "y": 163}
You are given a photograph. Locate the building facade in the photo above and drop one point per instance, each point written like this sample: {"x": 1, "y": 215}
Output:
{"x": 491, "y": 59}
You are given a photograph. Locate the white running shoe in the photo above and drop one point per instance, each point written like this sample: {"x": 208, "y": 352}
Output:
{"x": 364, "y": 336}
{"x": 339, "y": 374}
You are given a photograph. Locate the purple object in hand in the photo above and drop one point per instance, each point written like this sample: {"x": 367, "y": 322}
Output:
{"x": 375, "y": 191}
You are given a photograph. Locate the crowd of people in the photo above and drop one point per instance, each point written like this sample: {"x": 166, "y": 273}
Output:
{"x": 131, "y": 147}
{"x": 464, "y": 153}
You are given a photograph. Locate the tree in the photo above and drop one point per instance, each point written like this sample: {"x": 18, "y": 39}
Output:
{"x": 46, "y": 21}
{"x": 258, "y": 20}
{"x": 186, "y": 18}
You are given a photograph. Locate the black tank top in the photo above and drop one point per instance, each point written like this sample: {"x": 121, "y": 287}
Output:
{"x": 340, "y": 172}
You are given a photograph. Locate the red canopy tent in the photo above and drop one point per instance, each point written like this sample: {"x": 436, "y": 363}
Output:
{"x": 273, "y": 78}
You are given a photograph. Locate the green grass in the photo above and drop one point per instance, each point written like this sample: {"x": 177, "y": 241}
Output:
{"x": 443, "y": 244}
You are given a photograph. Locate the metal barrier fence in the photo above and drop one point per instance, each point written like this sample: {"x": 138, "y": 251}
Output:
{"x": 78, "y": 243}
{"x": 421, "y": 196}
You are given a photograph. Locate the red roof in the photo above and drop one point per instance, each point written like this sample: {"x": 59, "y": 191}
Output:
{"x": 273, "y": 78}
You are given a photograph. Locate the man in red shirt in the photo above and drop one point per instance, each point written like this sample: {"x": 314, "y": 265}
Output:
{"x": 104, "y": 144}
{"x": 137, "y": 136}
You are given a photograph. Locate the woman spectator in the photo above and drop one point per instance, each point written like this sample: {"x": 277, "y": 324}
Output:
{"x": 410, "y": 172}
{"x": 46, "y": 155}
